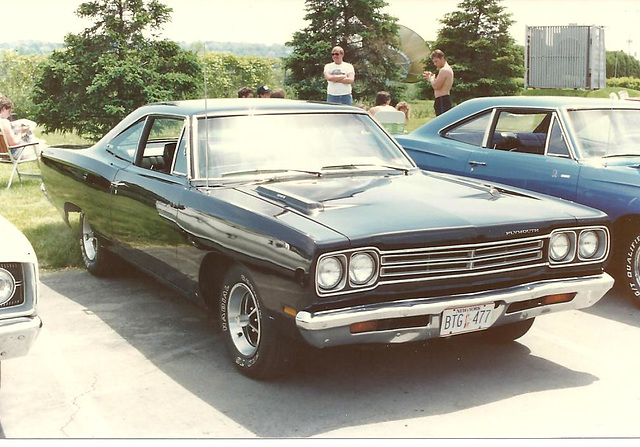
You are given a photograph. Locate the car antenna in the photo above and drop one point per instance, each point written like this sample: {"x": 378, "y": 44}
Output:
{"x": 206, "y": 115}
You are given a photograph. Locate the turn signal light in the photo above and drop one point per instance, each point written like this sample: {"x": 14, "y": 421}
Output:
{"x": 365, "y": 326}
{"x": 542, "y": 301}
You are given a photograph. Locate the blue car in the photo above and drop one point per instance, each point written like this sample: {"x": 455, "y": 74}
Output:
{"x": 580, "y": 149}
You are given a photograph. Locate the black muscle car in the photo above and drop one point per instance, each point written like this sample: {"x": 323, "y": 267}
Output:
{"x": 293, "y": 220}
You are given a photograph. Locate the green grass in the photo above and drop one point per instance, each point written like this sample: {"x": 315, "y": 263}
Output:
{"x": 27, "y": 208}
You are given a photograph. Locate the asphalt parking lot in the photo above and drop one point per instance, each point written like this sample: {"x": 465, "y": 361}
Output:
{"x": 126, "y": 357}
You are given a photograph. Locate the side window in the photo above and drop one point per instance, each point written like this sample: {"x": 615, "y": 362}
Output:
{"x": 180, "y": 166}
{"x": 471, "y": 131}
{"x": 557, "y": 144}
{"x": 521, "y": 132}
{"x": 125, "y": 144}
{"x": 160, "y": 147}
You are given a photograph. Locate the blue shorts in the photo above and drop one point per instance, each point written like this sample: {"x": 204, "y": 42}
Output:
{"x": 340, "y": 99}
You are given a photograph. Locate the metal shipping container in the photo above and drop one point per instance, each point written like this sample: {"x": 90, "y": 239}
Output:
{"x": 565, "y": 57}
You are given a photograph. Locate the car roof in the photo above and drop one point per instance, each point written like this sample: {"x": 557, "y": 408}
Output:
{"x": 566, "y": 102}
{"x": 476, "y": 105}
{"x": 243, "y": 106}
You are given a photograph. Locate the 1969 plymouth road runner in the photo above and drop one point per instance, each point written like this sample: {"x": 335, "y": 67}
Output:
{"x": 298, "y": 221}
{"x": 19, "y": 320}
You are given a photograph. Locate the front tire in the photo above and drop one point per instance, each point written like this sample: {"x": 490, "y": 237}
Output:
{"x": 256, "y": 348}
{"x": 630, "y": 274}
{"x": 508, "y": 332}
{"x": 94, "y": 256}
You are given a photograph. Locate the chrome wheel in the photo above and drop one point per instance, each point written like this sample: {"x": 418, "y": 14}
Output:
{"x": 89, "y": 241}
{"x": 243, "y": 316}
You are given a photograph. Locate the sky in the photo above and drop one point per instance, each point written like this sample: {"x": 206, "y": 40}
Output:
{"x": 275, "y": 21}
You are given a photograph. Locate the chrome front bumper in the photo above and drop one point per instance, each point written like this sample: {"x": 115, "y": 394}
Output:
{"x": 332, "y": 327}
{"x": 17, "y": 335}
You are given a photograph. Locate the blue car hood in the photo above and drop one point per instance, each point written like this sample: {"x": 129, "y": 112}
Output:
{"x": 360, "y": 206}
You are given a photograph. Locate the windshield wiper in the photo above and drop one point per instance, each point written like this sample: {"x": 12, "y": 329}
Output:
{"x": 620, "y": 155}
{"x": 270, "y": 171}
{"x": 355, "y": 166}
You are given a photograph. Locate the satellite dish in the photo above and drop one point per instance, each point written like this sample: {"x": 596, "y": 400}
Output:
{"x": 410, "y": 54}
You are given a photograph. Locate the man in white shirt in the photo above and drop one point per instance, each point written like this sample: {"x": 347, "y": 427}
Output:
{"x": 339, "y": 75}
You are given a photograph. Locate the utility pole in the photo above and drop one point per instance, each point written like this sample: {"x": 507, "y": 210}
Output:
{"x": 629, "y": 41}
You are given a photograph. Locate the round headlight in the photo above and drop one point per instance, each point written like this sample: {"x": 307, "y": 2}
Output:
{"x": 361, "y": 268}
{"x": 559, "y": 246}
{"x": 588, "y": 244}
{"x": 330, "y": 272}
{"x": 7, "y": 286}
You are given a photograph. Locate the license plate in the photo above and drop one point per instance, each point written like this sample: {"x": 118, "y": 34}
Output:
{"x": 466, "y": 319}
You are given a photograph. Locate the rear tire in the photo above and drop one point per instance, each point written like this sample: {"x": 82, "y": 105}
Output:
{"x": 508, "y": 332}
{"x": 253, "y": 342}
{"x": 95, "y": 257}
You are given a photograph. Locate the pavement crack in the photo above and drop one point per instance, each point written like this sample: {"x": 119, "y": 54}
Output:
{"x": 76, "y": 404}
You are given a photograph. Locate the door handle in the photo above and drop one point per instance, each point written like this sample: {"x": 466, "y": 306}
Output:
{"x": 116, "y": 184}
{"x": 477, "y": 163}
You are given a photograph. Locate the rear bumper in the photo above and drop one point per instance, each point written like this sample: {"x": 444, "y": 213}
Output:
{"x": 332, "y": 327}
{"x": 17, "y": 335}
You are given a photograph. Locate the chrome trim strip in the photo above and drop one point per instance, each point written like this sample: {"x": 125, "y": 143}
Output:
{"x": 331, "y": 327}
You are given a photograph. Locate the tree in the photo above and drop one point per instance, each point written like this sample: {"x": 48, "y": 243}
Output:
{"x": 620, "y": 64}
{"x": 484, "y": 57}
{"x": 361, "y": 29}
{"x": 111, "y": 68}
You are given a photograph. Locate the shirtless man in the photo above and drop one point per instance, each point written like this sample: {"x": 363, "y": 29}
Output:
{"x": 441, "y": 83}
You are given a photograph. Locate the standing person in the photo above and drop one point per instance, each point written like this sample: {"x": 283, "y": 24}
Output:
{"x": 441, "y": 83}
{"x": 339, "y": 75}
{"x": 383, "y": 102}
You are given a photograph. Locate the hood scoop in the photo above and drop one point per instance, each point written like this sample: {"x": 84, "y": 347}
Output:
{"x": 298, "y": 203}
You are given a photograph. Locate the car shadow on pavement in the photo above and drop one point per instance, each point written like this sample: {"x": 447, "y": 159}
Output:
{"x": 327, "y": 390}
{"x": 617, "y": 305}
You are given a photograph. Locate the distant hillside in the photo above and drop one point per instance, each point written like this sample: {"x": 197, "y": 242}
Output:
{"x": 240, "y": 48}
{"x": 28, "y": 47}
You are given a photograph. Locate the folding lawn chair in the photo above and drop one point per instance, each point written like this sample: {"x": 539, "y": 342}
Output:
{"x": 393, "y": 121}
{"x": 16, "y": 155}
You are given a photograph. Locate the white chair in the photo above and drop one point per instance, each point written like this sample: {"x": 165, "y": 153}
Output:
{"x": 16, "y": 155}
{"x": 392, "y": 121}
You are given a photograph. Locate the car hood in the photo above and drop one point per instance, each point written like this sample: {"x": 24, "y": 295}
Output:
{"x": 360, "y": 206}
{"x": 15, "y": 246}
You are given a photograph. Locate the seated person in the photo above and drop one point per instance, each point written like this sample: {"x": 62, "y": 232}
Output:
{"x": 383, "y": 102}
{"x": 14, "y": 133}
{"x": 405, "y": 108}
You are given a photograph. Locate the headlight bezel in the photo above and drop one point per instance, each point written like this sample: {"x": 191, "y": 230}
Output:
{"x": 575, "y": 257}
{"x": 348, "y": 282}
{"x": 341, "y": 260}
{"x": 372, "y": 277}
{"x": 601, "y": 248}
{"x": 13, "y": 285}
{"x": 571, "y": 249}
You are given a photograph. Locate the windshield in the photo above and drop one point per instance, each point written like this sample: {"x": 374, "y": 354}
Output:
{"x": 303, "y": 143}
{"x": 606, "y": 133}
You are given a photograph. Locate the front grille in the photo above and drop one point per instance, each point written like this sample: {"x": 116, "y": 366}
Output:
{"x": 460, "y": 260}
{"x": 15, "y": 268}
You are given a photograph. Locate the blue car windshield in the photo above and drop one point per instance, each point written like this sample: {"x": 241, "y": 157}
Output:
{"x": 253, "y": 145}
{"x": 606, "y": 132}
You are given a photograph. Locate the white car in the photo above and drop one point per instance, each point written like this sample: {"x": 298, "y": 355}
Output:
{"x": 19, "y": 321}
